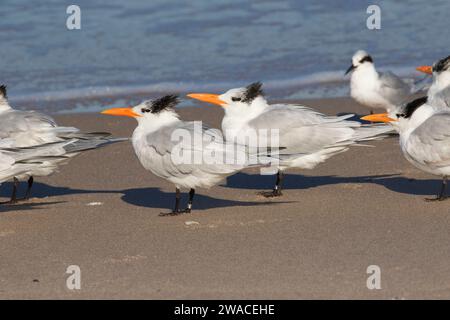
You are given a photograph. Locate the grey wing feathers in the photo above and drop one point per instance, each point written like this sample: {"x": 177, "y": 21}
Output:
{"x": 372, "y": 132}
{"x": 17, "y": 161}
{"x": 431, "y": 141}
{"x": 303, "y": 130}
{"x": 91, "y": 143}
{"x": 168, "y": 143}
{"x": 391, "y": 80}
{"x": 394, "y": 89}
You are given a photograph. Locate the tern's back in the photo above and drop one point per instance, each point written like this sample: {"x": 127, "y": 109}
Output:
{"x": 177, "y": 152}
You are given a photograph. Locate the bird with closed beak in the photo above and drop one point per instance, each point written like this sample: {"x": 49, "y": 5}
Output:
{"x": 307, "y": 136}
{"x": 157, "y": 144}
{"x": 424, "y": 131}
{"x": 375, "y": 89}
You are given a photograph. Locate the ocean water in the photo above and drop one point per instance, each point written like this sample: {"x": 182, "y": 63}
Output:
{"x": 129, "y": 50}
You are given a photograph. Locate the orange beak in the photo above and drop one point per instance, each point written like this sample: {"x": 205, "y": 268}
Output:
{"x": 207, "y": 97}
{"x": 126, "y": 112}
{"x": 380, "y": 117}
{"x": 425, "y": 69}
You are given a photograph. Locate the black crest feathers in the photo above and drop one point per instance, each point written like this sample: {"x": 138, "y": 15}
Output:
{"x": 412, "y": 106}
{"x": 3, "y": 91}
{"x": 163, "y": 103}
{"x": 252, "y": 91}
{"x": 442, "y": 65}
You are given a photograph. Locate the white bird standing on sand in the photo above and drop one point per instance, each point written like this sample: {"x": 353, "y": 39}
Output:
{"x": 309, "y": 137}
{"x": 376, "y": 89}
{"x": 154, "y": 145}
{"x": 439, "y": 91}
{"x": 19, "y": 129}
{"x": 424, "y": 132}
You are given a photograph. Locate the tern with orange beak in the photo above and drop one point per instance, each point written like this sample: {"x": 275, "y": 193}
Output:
{"x": 424, "y": 132}
{"x": 21, "y": 129}
{"x": 175, "y": 150}
{"x": 375, "y": 89}
{"x": 439, "y": 92}
{"x": 307, "y": 136}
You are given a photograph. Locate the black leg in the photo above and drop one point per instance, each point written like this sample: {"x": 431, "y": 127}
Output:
{"x": 191, "y": 200}
{"x": 30, "y": 185}
{"x": 177, "y": 200}
{"x": 13, "y": 199}
{"x": 442, "y": 193}
{"x": 276, "y": 192}
{"x": 176, "y": 210}
{"x": 14, "y": 192}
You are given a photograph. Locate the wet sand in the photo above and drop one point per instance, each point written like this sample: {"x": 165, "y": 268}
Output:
{"x": 100, "y": 212}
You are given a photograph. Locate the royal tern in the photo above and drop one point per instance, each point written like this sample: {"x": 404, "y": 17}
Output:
{"x": 156, "y": 145}
{"x": 424, "y": 132}
{"x": 19, "y": 129}
{"x": 309, "y": 137}
{"x": 376, "y": 89}
{"x": 439, "y": 91}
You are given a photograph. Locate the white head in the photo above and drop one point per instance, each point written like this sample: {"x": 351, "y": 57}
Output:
{"x": 441, "y": 75}
{"x": 361, "y": 59}
{"x": 150, "y": 113}
{"x": 237, "y": 102}
{"x": 4, "y": 104}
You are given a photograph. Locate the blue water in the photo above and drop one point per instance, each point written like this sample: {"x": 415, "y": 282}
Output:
{"x": 127, "y": 50}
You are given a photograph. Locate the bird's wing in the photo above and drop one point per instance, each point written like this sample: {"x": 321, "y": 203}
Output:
{"x": 28, "y": 128}
{"x": 303, "y": 130}
{"x": 393, "y": 88}
{"x": 430, "y": 142}
{"x": 6, "y": 161}
{"x": 182, "y": 150}
{"x": 17, "y": 161}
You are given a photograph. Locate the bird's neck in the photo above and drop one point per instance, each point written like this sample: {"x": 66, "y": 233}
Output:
{"x": 236, "y": 119}
{"x": 417, "y": 118}
{"x": 365, "y": 74}
{"x": 441, "y": 82}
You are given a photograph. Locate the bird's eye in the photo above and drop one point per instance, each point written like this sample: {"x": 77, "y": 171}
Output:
{"x": 400, "y": 115}
{"x": 235, "y": 99}
{"x": 144, "y": 110}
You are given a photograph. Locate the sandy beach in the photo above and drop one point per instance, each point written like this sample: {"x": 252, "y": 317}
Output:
{"x": 100, "y": 212}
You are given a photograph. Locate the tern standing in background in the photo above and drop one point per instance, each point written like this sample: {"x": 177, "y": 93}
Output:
{"x": 155, "y": 144}
{"x": 309, "y": 137}
{"x": 20, "y": 129}
{"x": 376, "y": 89}
{"x": 424, "y": 132}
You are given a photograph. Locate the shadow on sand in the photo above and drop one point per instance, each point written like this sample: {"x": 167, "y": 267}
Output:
{"x": 142, "y": 197}
{"x": 393, "y": 182}
{"x": 155, "y": 198}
